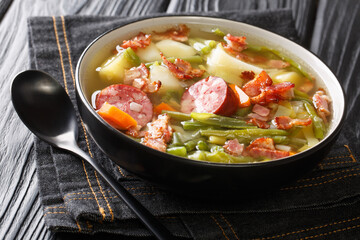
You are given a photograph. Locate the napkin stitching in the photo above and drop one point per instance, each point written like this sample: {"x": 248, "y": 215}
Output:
{"x": 331, "y": 232}
{"x": 67, "y": 48}
{"x": 321, "y": 183}
{"x": 218, "y": 224}
{"x": 60, "y": 54}
{"x": 109, "y": 191}
{"x": 327, "y": 175}
{"x": 101, "y": 210}
{"x": 309, "y": 229}
{"x": 228, "y": 223}
{"x": 88, "y": 146}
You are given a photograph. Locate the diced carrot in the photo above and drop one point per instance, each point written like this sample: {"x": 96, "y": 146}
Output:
{"x": 292, "y": 153}
{"x": 163, "y": 106}
{"x": 244, "y": 99}
{"x": 116, "y": 117}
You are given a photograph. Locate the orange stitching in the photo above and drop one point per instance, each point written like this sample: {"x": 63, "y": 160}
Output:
{"x": 101, "y": 210}
{"x": 78, "y": 224}
{"x": 54, "y": 213}
{"x": 122, "y": 174}
{"x": 68, "y": 49}
{"x": 60, "y": 53}
{"x": 313, "y": 228}
{"x": 63, "y": 69}
{"x": 332, "y": 232}
{"x": 109, "y": 191}
{"x": 333, "y": 163}
{"x": 351, "y": 154}
{"x": 227, "y": 222}
{"x": 328, "y": 158}
{"x": 327, "y": 175}
{"x": 317, "y": 184}
{"x": 107, "y": 202}
{"x": 217, "y": 223}
{"x": 89, "y": 225}
{"x": 90, "y": 198}
{"x": 53, "y": 207}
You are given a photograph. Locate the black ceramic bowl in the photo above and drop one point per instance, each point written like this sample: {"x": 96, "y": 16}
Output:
{"x": 192, "y": 177}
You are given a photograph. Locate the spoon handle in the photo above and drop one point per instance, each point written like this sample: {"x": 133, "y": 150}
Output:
{"x": 143, "y": 214}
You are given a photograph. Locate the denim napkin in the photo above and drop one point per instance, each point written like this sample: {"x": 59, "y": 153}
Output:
{"x": 76, "y": 199}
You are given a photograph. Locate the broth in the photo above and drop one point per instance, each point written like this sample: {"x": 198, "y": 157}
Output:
{"x": 218, "y": 99}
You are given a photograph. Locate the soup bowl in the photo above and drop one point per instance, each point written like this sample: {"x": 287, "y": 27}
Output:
{"x": 202, "y": 178}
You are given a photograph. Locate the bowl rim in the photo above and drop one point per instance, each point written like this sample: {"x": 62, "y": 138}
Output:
{"x": 330, "y": 136}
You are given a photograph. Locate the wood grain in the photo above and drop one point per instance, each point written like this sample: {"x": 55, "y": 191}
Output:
{"x": 21, "y": 216}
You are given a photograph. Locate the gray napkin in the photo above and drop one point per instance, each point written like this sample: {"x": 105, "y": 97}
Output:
{"x": 76, "y": 199}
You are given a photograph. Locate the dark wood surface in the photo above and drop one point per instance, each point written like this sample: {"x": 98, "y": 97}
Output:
{"x": 329, "y": 28}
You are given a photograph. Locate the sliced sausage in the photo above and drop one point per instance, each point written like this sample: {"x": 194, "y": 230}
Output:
{"x": 129, "y": 99}
{"x": 210, "y": 95}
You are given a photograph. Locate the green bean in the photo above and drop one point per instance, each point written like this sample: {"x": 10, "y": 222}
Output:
{"x": 281, "y": 139}
{"x": 317, "y": 122}
{"x": 178, "y": 151}
{"x": 198, "y": 155}
{"x": 297, "y": 98}
{"x": 176, "y": 139}
{"x": 223, "y": 157}
{"x": 220, "y": 121}
{"x": 217, "y": 140}
{"x": 256, "y": 132}
{"x": 177, "y": 115}
{"x": 301, "y": 94}
{"x": 193, "y": 125}
{"x": 218, "y": 32}
{"x": 131, "y": 57}
{"x": 202, "y": 145}
{"x": 191, "y": 144}
{"x": 209, "y": 46}
{"x": 242, "y": 112}
{"x": 297, "y": 141}
{"x": 217, "y": 148}
{"x": 192, "y": 59}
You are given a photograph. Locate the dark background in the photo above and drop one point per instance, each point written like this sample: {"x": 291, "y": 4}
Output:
{"x": 329, "y": 28}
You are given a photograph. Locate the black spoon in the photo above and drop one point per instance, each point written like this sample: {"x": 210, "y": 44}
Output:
{"x": 46, "y": 109}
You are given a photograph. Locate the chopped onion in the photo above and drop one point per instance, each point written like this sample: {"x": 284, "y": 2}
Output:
{"x": 283, "y": 147}
{"x": 135, "y": 107}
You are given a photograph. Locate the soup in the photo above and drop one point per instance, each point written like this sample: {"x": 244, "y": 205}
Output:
{"x": 209, "y": 96}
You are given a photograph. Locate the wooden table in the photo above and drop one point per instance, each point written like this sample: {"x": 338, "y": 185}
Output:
{"x": 328, "y": 28}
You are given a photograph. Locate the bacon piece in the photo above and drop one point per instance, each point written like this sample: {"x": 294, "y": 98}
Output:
{"x": 258, "y": 117}
{"x": 277, "y": 64}
{"x": 179, "y": 33}
{"x": 274, "y": 93}
{"x": 182, "y": 69}
{"x": 159, "y": 133}
{"x": 321, "y": 102}
{"x": 254, "y": 87}
{"x": 284, "y": 122}
{"x": 262, "y": 111}
{"x": 264, "y": 147}
{"x": 259, "y": 123}
{"x": 234, "y": 44}
{"x": 233, "y": 147}
{"x": 263, "y": 142}
{"x": 251, "y": 59}
{"x": 247, "y": 75}
{"x": 306, "y": 87}
{"x": 142, "y": 40}
{"x": 139, "y": 78}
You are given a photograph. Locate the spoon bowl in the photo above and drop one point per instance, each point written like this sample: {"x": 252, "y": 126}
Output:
{"x": 46, "y": 109}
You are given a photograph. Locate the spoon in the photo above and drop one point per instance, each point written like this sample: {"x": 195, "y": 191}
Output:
{"x": 46, "y": 109}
